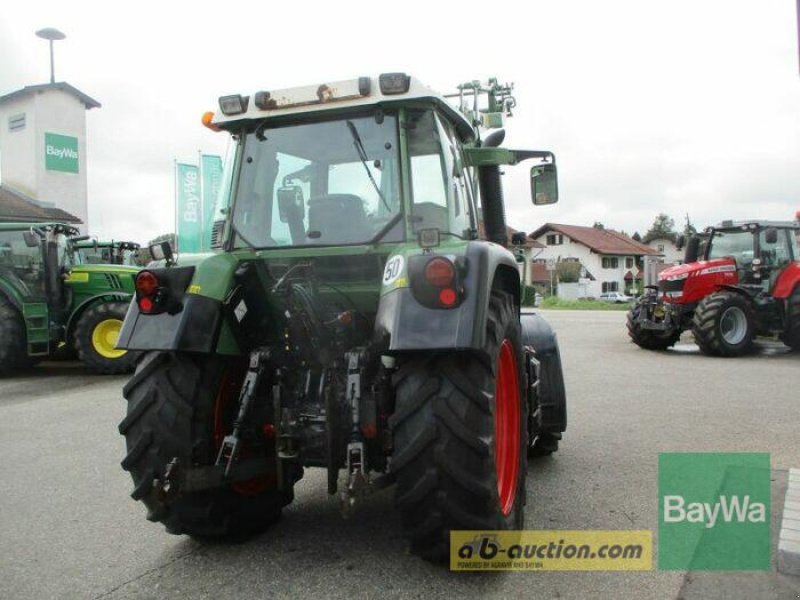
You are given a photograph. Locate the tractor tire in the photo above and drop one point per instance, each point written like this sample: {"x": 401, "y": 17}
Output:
{"x": 647, "y": 338}
{"x": 453, "y": 470}
{"x": 95, "y": 338}
{"x": 792, "y": 337}
{"x": 13, "y": 354}
{"x": 180, "y": 406}
{"x": 724, "y": 325}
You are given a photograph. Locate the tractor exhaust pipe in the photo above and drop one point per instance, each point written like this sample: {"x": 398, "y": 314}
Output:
{"x": 494, "y": 213}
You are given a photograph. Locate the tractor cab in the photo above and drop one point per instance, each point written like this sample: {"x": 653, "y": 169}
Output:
{"x": 759, "y": 250}
{"x": 94, "y": 252}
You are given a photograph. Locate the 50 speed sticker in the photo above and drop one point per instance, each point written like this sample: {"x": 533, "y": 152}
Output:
{"x": 393, "y": 270}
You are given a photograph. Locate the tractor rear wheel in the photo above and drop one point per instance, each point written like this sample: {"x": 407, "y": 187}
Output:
{"x": 649, "y": 339}
{"x": 460, "y": 438}
{"x": 724, "y": 324}
{"x": 181, "y": 406}
{"x": 792, "y": 337}
{"x": 96, "y": 337}
{"x": 12, "y": 338}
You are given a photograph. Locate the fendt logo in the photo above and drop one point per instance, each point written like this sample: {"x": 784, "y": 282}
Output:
{"x": 60, "y": 153}
{"x": 714, "y": 511}
{"x": 730, "y": 508}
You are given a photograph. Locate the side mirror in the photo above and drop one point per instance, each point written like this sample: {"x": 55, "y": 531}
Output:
{"x": 771, "y": 235}
{"x": 162, "y": 251}
{"x": 31, "y": 239}
{"x": 291, "y": 205}
{"x": 544, "y": 184}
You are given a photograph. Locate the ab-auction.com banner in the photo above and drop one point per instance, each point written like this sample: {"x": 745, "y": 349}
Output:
{"x": 555, "y": 550}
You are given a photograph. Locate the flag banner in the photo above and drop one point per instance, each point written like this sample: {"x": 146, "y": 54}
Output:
{"x": 189, "y": 217}
{"x": 211, "y": 174}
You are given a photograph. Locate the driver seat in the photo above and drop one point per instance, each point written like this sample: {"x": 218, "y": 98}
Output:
{"x": 339, "y": 218}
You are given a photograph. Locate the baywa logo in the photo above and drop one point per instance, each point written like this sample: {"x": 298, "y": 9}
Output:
{"x": 714, "y": 511}
{"x": 60, "y": 153}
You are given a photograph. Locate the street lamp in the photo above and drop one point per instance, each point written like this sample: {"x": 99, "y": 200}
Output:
{"x": 52, "y": 35}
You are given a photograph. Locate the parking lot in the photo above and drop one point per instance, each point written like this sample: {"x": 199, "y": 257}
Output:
{"x": 69, "y": 529}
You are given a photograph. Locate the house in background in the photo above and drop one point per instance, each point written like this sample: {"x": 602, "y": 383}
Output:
{"x": 667, "y": 248}
{"x": 611, "y": 260}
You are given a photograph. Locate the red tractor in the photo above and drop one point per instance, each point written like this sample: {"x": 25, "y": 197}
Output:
{"x": 739, "y": 280}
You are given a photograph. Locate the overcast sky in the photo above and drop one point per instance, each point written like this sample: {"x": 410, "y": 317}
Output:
{"x": 679, "y": 106}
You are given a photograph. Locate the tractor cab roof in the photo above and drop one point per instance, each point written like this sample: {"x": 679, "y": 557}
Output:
{"x": 753, "y": 225}
{"x": 55, "y": 227}
{"x": 309, "y": 101}
{"x": 107, "y": 244}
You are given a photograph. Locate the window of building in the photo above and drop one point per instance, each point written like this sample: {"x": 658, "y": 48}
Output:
{"x": 628, "y": 262}
{"x": 610, "y": 286}
{"x": 610, "y": 262}
{"x": 16, "y": 122}
{"x": 554, "y": 239}
{"x": 660, "y": 247}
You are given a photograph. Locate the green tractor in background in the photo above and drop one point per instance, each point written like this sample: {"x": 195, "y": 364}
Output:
{"x": 48, "y": 303}
{"x": 351, "y": 319}
{"x": 94, "y": 252}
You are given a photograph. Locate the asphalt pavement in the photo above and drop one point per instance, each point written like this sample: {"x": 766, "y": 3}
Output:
{"x": 68, "y": 528}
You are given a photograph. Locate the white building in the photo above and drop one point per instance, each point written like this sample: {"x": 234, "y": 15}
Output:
{"x": 667, "y": 249}
{"x": 611, "y": 260}
{"x": 43, "y": 146}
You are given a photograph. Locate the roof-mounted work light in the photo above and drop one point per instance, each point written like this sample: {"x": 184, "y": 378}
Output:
{"x": 233, "y": 105}
{"x": 394, "y": 83}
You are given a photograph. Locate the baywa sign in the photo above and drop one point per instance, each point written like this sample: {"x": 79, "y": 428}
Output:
{"x": 714, "y": 511}
{"x": 60, "y": 153}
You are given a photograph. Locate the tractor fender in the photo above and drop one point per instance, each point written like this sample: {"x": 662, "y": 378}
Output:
{"x": 407, "y": 325}
{"x": 76, "y": 315}
{"x": 550, "y": 407}
{"x": 13, "y": 292}
{"x": 788, "y": 280}
{"x": 738, "y": 290}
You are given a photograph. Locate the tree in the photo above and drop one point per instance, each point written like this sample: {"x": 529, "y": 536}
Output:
{"x": 663, "y": 227}
{"x": 598, "y": 225}
{"x": 568, "y": 271}
{"x": 636, "y": 236}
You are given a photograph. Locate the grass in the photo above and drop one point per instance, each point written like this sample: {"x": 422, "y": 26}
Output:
{"x": 560, "y": 304}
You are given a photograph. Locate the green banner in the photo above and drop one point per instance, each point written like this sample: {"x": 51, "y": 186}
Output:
{"x": 211, "y": 173}
{"x": 189, "y": 209}
{"x": 714, "y": 511}
{"x": 60, "y": 153}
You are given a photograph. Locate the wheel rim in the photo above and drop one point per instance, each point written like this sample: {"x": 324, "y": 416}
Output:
{"x": 733, "y": 325}
{"x": 507, "y": 421}
{"x": 104, "y": 338}
{"x": 225, "y": 404}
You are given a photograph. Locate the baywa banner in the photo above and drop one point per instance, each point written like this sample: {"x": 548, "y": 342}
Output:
{"x": 211, "y": 174}
{"x": 189, "y": 208}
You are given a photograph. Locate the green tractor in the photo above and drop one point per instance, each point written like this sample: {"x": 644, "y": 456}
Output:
{"x": 94, "y": 252}
{"x": 49, "y": 304}
{"x": 350, "y": 319}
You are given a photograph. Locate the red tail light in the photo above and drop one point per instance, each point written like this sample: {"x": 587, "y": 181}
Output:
{"x": 146, "y": 283}
{"x": 440, "y": 272}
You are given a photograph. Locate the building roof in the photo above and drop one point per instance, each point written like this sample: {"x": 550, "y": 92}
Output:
{"x": 88, "y": 101}
{"x": 601, "y": 241}
{"x": 15, "y": 206}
